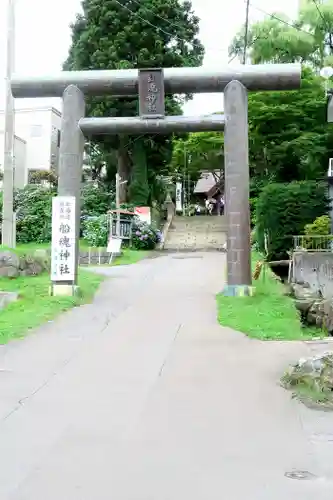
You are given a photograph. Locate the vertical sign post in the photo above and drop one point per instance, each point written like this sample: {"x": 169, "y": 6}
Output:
{"x": 151, "y": 93}
{"x": 63, "y": 272}
{"x": 179, "y": 204}
{"x": 330, "y": 195}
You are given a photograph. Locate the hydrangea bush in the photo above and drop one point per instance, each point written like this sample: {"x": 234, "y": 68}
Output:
{"x": 95, "y": 230}
{"x": 144, "y": 236}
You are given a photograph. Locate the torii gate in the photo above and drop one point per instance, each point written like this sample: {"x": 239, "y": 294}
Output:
{"x": 151, "y": 85}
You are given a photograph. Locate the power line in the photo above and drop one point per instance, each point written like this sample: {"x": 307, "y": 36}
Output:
{"x": 283, "y": 21}
{"x": 159, "y": 28}
{"x": 273, "y": 16}
{"x": 319, "y": 11}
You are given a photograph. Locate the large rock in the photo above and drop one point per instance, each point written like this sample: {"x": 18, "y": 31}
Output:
{"x": 304, "y": 292}
{"x": 312, "y": 379}
{"x": 11, "y": 265}
{"x": 321, "y": 314}
{"x": 8, "y": 258}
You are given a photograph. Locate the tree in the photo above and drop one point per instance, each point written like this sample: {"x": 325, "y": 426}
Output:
{"x": 279, "y": 39}
{"x": 199, "y": 151}
{"x": 120, "y": 34}
{"x": 288, "y": 134}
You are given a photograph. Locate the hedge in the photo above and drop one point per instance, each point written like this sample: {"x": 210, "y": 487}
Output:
{"x": 283, "y": 210}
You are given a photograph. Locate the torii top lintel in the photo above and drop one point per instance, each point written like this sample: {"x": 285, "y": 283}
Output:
{"x": 124, "y": 82}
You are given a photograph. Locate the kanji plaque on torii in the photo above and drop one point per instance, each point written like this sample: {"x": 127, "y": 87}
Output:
{"x": 151, "y": 93}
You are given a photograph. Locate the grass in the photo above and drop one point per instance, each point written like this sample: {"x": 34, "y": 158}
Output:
{"x": 268, "y": 315}
{"x": 28, "y": 248}
{"x": 35, "y": 306}
{"x": 129, "y": 256}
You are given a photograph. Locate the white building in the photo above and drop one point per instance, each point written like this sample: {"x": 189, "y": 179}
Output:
{"x": 37, "y": 141}
{"x": 20, "y": 160}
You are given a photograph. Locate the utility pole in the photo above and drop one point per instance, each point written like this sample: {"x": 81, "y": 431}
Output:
{"x": 118, "y": 205}
{"x": 8, "y": 237}
{"x": 246, "y": 34}
{"x": 119, "y": 182}
{"x": 184, "y": 183}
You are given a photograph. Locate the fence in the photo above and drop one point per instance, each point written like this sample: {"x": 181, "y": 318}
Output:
{"x": 126, "y": 222}
{"x": 313, "y": 243}
{"x": 94, "y": 256}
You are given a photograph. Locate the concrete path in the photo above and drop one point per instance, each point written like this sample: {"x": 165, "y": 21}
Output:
{"x": 142, "y": 396}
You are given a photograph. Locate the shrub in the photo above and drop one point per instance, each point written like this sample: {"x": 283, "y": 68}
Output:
{"x": 316, "y": 234}
{"x": 33, "y": 206}
{"x": 49, "y": 177}
{"x": 321, "y": 226}
{"x": 95, "y": 200}
{"x": 144, "y": 236}
{"x": 95, "y": 230}
{"x": 283, "y": 210}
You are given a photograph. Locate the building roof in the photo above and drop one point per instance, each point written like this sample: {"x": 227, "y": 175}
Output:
{"x": 51, "y": 109}
{"x": 15, "y": 136}
{"x": 206, "y": 182}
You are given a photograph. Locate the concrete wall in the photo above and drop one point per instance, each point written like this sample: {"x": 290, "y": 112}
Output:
{"x": 20, "y": 164}
{"x": 39, "y": 127}
{"x": 315, "y": 268}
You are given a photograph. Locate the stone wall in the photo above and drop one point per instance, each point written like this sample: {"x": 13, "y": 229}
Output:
{"x": 316, "y": 269}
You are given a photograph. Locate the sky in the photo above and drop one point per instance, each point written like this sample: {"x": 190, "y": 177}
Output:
{"x": 43, "y": 39}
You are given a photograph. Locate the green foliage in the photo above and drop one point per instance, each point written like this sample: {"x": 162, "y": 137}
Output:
{"x": 199, "y": 151}
{"x": 280, "y": 39}
{"x": 283, "y": 210}
{"x": 96, "y": 200}
{"x": 33, "y": 207}
{"x": 144, "y": 236}
{"x": 321, "y": 226}
{"x": 289, "y": 138}
{"x": 139, "y": 189}
{"x": 135, "y": 34}
{"x": 95, "y": 230}
{"x": 43, "y": 176}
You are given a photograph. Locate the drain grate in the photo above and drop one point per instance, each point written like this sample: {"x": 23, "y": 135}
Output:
{"x": 301, "y": 475}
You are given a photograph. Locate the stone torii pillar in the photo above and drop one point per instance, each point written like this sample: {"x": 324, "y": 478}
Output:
{"x": 70, "y": 169}
{"x": 237, "y": 182}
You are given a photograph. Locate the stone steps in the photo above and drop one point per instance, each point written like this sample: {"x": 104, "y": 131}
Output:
{"x": 196, "y": 233}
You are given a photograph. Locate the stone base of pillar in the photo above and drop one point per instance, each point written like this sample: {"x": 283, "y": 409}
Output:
{"x": 238, "y": 291}
{"x": 58, "y": 289}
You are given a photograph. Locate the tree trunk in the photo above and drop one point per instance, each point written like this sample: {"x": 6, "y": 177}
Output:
{"x": 123, "y": 169}
{"x": 139, "y": 189}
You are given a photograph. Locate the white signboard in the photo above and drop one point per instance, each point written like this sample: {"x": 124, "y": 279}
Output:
{"x": 63, "y": 238}
{"x": 143, "y": 213}
{"x": 114, "y": 245}
{"x": 179, "y": 205}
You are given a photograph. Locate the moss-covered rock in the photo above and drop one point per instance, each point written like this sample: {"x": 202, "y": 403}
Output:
{"x": 311, "y": 380}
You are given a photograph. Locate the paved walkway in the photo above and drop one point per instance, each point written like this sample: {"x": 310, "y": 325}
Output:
{"x": 142, "y": 396}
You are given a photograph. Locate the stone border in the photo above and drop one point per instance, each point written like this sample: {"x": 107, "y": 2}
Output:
{"x": 99, "y": 256}
{"x": 7, "y": 297}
